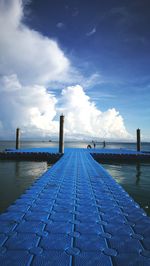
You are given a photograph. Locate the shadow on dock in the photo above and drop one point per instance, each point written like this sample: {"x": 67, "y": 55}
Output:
{"x": 121, "y": 158}
{"x": 31, "y": 156}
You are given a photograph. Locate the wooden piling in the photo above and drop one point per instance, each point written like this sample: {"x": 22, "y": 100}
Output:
{"x": 61, "y": 135}
{"x": 17, "y": 138}
{"x": 138, "y": 140}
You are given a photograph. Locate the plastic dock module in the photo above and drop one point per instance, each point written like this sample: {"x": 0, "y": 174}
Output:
{"x": 75, "y": 214}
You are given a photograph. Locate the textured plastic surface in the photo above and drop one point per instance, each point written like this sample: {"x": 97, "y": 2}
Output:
{"x": 75, "y": 214}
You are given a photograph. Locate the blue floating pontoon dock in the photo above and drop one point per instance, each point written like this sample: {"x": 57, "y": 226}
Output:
{"x": 75, "y": 214}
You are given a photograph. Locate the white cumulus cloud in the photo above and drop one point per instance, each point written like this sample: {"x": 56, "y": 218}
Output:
{"x": 30, "y": 107}
{"x": 25, "y": 52}
{"x": 29, "y": 62}
{"x": 84, "y": 119}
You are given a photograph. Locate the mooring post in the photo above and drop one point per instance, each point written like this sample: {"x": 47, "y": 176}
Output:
{"x": 61, "y": 134}
{"x": 17, "y": 138}
{"x": 138, "y": 140}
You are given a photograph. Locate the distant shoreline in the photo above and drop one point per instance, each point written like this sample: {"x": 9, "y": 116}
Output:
{"x": 79, "y": 141}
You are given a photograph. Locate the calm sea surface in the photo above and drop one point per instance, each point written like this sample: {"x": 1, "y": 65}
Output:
{"x": 135, "y": 179}
{"x": 16, "y": 177}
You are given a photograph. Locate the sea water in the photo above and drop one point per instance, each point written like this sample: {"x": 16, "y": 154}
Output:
{"x": 16, "y": 177}
{"x": 135, "y": 179}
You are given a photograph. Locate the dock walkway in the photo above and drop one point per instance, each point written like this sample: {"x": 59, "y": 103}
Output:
{"x": 75, "y": 214}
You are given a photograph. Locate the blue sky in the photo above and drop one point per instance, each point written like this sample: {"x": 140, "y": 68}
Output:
{"x": 108, "y": 37}
{"x": 107, "y": 45}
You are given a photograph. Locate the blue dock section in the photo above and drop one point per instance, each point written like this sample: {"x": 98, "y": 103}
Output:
{"x": 75, "y": 214}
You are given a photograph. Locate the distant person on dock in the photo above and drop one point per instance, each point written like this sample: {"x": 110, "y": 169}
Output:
{"x": 94, "y": 144}
{"x": 89, "y": 146}
{"x": 104, "y": 144}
